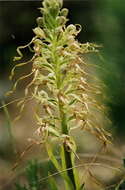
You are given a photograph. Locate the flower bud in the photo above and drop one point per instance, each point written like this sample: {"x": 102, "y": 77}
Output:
{"x": 37, "y": 49}
{"x": 60, "y": 3}
{"x": 78, "y": 28}
{"x": 71, "y": 29}
{"x": 39, "y": 32}
{"x": 46, "y": 3}
{"x": 70, "y": 39}
{"x": 39, "y": 21}
{"x": 59, "y": 32}
{"x": 61, "y": 20}
{"x": 64, "y": 12}
{"x": 37, "y": 42}
{"x": 37, "y": 46}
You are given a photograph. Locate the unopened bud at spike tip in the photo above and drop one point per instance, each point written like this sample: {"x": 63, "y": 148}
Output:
{"x": 64, "y": 12}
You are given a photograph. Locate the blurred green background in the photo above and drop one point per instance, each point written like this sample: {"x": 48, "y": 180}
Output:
{"x": 103, "y": 22}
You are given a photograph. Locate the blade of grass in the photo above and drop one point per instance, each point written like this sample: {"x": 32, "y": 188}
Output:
{"x": 9, "y": 127}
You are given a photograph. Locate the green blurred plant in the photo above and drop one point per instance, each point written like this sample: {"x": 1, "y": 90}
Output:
{"x": 63, "y": 89}
{"x": 32, "y": 177}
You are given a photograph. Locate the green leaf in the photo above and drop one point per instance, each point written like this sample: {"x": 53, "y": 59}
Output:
{"x": 76, "y": 97}
{"x": 47, "y": 65}
{"x": 68, "y": 184}
{"x": 63, "y": 158}
{"x": 53, "y": 101}
{"x": 72, "y": 101}
{"x": 59, "y": 167}
{"x": 53, "y": 132}
{"x": 75, "y": 172}
{"x": 52, "y": 157}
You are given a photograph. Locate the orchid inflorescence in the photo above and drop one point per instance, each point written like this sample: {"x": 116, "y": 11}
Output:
{"x": 61, "y": 83}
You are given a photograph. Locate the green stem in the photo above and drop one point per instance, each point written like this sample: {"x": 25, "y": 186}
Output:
{"x": 63, "y": 118}
{"x": 69, "y": 164}
{"x": 67, "y": 154}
